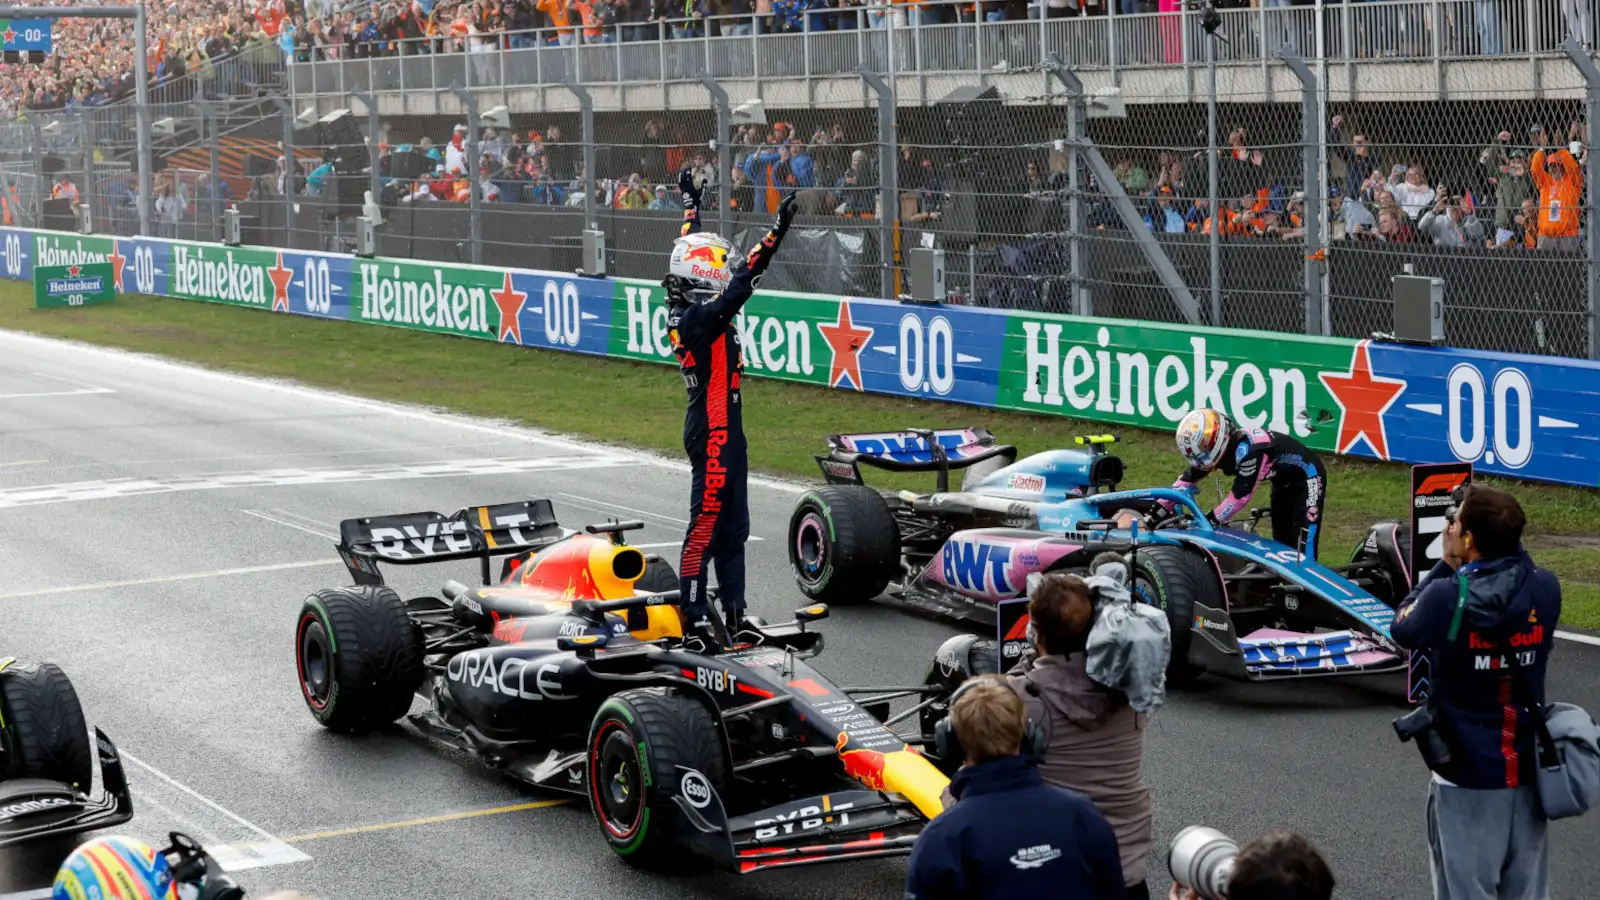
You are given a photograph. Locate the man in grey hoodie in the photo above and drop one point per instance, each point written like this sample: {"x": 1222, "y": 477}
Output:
{"x": 1094, "y": 741}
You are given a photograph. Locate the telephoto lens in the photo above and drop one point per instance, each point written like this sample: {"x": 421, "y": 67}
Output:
{"x": 1202, "y": 858}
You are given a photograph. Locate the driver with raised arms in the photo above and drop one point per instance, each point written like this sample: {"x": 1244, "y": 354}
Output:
{"x": 1210, "y": 440}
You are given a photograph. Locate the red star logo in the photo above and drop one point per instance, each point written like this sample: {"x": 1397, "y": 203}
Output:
{"x": 117, "y": 262}
{"x": 1363, "y": 399}
{"x": 846, "y": 341}
{"x": 280, "y": 284}
{"x": 509, "y": 299}
{"x": 74, "y": 271}
{"x": 10, "y": 35}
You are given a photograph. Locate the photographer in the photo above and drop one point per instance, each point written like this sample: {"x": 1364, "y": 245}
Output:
{"x": 1283, "y": 865}
{"x": 1093, "y": 740}
{"x": 1485, "y": 617}
{"x": 1009, "y": 834}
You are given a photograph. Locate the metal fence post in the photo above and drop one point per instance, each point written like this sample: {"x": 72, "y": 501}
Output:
{"x": 290, "y": 166}
{"x": 1591, "y": 175}
{"x": 1213, "y": 182}
{"x": 374, "y": 129}
{"x": 474, "y": 179}
{"x": 208, "y": 130}
{"x": 888, "y": 175}
{"x": 724, "y": 152}
{"x": 1082, "y": 299}
{"x": 1311, "y": 161}
{"x": 141, "y": 86}
{"x": 586, "y": 115}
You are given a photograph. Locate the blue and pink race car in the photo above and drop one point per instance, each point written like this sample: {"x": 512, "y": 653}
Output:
{"x": 1240, "y": 605}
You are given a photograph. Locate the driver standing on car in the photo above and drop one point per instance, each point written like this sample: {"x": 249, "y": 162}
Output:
{"x": 706, "y": 288}
{"x": 1210, "y": 440}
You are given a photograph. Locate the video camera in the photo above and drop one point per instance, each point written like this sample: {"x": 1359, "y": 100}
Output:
{"x": 198, "y": 876}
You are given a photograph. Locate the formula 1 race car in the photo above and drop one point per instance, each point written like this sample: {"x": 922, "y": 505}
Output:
{"x": 46, "y": 762}
{"x": 1239, "y": 605}
{"x": 566, "y": 675}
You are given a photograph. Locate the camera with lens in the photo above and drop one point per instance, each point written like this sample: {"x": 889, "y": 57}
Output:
{"x": 198, "y": 876}
{"x": 1422, "y": 726}
{"x": 1202, "y": 859}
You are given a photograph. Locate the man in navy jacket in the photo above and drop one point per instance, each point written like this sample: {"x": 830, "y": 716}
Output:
{"x": 1009, "y": 834}
{"x": 1486, "y": 618}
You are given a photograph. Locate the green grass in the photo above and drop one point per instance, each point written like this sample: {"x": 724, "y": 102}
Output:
{"x": 641, "y": 405}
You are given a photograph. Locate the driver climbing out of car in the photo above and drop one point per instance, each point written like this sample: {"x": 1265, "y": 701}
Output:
{"x": 706, "y": 287}
{"x": 1210, "y": 440}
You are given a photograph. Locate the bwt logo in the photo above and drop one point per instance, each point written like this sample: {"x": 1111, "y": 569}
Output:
{"x": 905, "y": 444}
{"x": 977, "y": 567}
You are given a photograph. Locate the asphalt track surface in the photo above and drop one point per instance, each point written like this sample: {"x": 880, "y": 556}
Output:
{"x": 161, "y": 525}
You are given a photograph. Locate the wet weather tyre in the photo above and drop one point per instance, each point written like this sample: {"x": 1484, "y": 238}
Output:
{"x": 358, "y": 657}
{"x": 44, "y": 730}
{"x": 658, "y": 578}
{"x": 640, "y": 743}
{"x": 844, "y": 545}
{"x": 1174, "y": 580}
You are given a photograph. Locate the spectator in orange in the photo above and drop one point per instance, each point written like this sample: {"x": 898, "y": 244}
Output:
{"x": 633, "y": 194}
{"x": 598, "y": 15}
{"x": 1560, "y": 183}
{"x": 560, "y": 13}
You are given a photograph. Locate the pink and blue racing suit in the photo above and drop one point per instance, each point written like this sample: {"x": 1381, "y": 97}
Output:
{"x": 1299, "y": 484}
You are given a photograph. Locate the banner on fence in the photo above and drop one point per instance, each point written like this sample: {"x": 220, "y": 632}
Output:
{"x": 1528, "y": 416}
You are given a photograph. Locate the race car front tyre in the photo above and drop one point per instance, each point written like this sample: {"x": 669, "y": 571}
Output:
{"x": 844, "y": 545}
{"x": 1174, "y": 580}
{"x": 358, "y": 656}
{"x": 42, "y": 724}
{"x": 643, "y": 744}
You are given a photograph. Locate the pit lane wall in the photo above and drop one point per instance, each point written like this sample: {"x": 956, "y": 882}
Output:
{"x": 1526, "y": 416}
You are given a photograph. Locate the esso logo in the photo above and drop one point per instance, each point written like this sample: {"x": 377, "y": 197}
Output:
{"x": 695, "y": 789}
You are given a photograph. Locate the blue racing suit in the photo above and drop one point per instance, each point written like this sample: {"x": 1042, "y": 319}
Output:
{"x": 1299, "y": 484}
{"x": 706, "y": 342}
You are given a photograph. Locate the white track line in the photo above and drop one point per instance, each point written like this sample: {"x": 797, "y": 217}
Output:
{"x": 40, "y": 894}
{"x": 278, "y": 853}
{"x": 415, "y": 413}
{"x": 1580, "y": 638}
{"x": 277, "y": 521}
{"x": 165, "y": 579}
{"x": 23, "y": 462}
{"x": 580, "y": 499}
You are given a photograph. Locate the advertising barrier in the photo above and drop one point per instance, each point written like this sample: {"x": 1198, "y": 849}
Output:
{"x": 1533, "y": 417}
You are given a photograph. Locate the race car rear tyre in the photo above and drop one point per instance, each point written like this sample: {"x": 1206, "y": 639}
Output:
{"x": 659, "y": 576}
{"x": 640, "y": 743}
{"x": 1175, "y": 579}
{"x": 844, "y": 546}
{"x": 1389, "y": 545}
{"x": 44, "y": 730}
{"x": 358, "y": 656}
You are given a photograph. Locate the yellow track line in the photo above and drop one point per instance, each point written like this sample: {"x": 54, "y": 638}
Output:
{"x": 412, "y": 823}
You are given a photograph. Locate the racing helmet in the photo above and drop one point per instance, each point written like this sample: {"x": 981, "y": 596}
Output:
{"x": 115, "y": 868}
{"x": 703, "y": 262}
{"x": 1203, "y": 437}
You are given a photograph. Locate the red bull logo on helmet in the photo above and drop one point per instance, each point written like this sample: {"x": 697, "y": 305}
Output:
{"x": 707, "y": 261}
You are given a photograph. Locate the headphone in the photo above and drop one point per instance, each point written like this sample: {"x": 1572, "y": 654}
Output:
{"x": 948, "y": 746}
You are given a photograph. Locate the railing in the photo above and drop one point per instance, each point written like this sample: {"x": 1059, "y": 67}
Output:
{"x": 838, "y": 42}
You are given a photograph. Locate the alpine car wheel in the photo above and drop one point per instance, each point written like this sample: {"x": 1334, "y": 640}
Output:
{"x": 1174, "y": 580}
{"x": 358, "y": 657}
{"x": 42, "y": 725}
{"x": 844, "y": 545}
{"x": 642, "y": 744}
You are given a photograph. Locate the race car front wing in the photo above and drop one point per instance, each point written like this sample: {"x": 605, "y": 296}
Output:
{"x": 846, "y": 825}
{"x": 33, "y": 808}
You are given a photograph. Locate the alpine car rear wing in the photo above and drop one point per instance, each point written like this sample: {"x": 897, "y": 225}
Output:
{"x": 912, "y": 450}
{"x": 477, "y": 532}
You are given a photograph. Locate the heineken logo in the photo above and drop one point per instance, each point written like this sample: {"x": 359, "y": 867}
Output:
{"x": 53, "y": 251}
{"x": 1095, "y": 378}
{"x": 770, "y": 343}
{"x": 388, "y": 295}
{"x": 74, "y": 285}
{"x": 222, "y": 278}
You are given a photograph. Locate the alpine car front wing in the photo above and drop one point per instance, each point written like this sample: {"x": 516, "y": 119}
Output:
{"x": 33, "y": 808}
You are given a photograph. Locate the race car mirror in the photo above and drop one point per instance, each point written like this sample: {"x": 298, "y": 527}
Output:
{"x": 1433, "y": 492}
{"x": 582, "y": 644}
{"x": 1013, "y": 630}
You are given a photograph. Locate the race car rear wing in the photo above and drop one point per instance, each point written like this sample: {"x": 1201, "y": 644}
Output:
{"x": 912, "y": 450}
{"x": 477, "y": 532}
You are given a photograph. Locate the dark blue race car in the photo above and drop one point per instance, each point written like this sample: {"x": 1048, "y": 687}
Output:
{"x": 1240, "y": 605}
